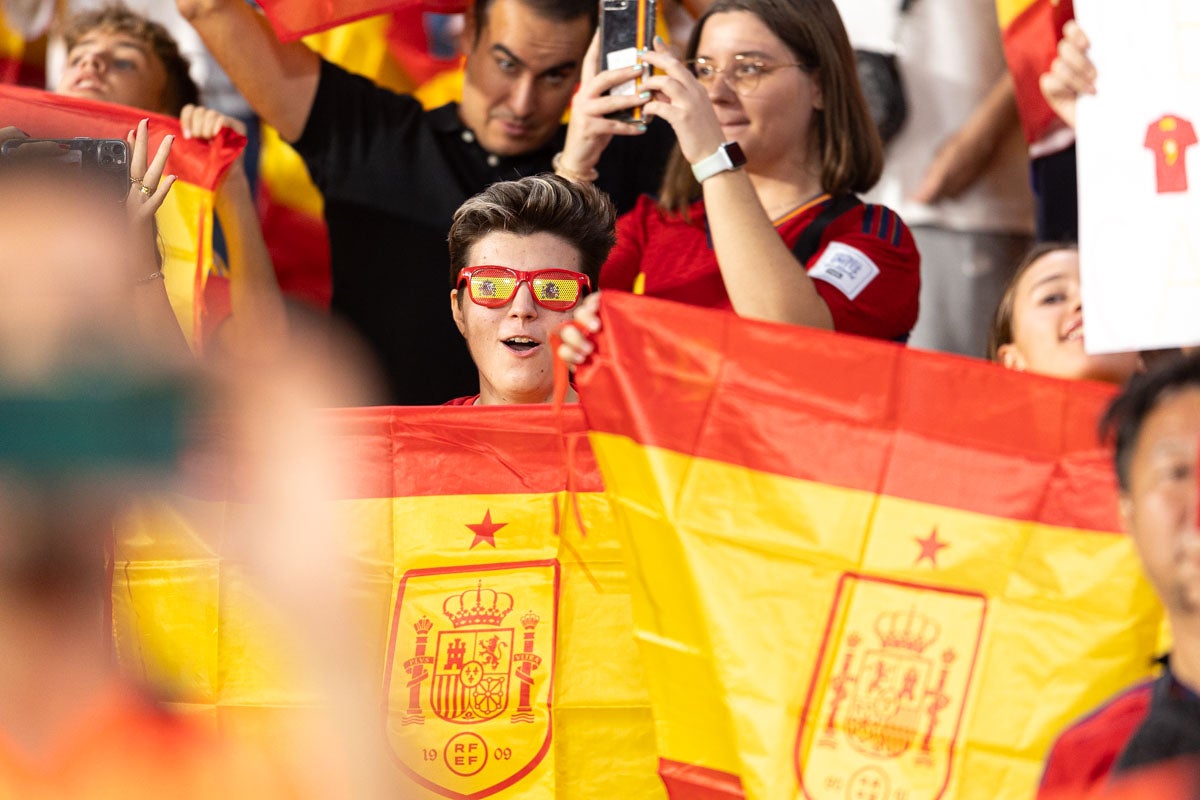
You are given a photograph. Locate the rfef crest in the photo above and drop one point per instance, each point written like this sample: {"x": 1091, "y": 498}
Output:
{"x": 469, "y": 674}
{"x": 885, "y": 703}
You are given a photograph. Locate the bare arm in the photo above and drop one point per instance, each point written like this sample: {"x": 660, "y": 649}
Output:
{"x": 278, "y": 80}
{"x": 761, "y": 275}
{"x": 965, "y": 156}
{"x": 149, "y": 187}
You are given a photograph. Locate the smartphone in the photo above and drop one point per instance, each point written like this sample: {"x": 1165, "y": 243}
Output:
{"x": 626, "y": 26}
{"x": 106, "y": 161}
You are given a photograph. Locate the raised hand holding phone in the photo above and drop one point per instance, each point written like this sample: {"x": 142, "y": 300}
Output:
{"x": 592, "y": 123}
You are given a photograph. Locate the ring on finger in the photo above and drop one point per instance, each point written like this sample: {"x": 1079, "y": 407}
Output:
{"x": 138, "y": 181}
{"x": 146, "y": 190}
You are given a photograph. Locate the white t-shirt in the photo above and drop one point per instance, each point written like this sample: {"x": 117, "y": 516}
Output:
{"x": 950, "y": 57}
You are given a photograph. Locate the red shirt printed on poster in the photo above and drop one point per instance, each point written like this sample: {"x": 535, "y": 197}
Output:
{"x": 1169, "y": 136}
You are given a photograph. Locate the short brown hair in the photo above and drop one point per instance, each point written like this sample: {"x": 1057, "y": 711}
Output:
{"x": 851, "y": 151}
{"x": 180, "y": 90}
{"x": 1001, "y": 332}
{"x": 579, "y": 214}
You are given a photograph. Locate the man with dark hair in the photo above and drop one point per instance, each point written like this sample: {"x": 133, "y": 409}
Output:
{"x": 121, "y": 57}
{"x": 393, "y": 174}
{"x": 1155, "y": 423}
{"x": 522, "y": 255}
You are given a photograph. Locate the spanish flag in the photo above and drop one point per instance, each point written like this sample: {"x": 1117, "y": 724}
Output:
{"x": 185, "y": 219}
{"x": 1030, "y": 30}
{"x": 858, "y": 570}
{"x": 503, "y": 634}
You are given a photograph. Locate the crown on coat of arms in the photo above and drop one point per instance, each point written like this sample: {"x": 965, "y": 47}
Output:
{"x": 910, "y": 631}
{"x": 477, "y": 606}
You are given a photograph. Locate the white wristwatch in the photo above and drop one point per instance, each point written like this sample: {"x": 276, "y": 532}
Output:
{"x": 728, "y": 156}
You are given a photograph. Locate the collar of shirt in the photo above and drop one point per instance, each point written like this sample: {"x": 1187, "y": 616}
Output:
{"x": 446, "y": 121}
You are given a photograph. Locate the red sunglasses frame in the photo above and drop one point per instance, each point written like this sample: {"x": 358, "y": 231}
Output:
{"x": 526, "y": 277}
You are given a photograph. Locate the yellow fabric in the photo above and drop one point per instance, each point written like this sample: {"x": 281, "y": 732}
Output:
{"x": 185, "y": 224}
{"x": 186, "y": 614}
{"x": 1008, "y": 10}
{"x": 12, "y": 45}
{"x": 777, "y": 585}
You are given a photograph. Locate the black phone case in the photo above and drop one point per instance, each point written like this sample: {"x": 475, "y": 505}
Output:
{"x": 626, "y": 26}
{"x": 106, "y": 161}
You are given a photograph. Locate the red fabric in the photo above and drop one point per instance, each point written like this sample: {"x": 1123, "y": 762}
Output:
{"x": 462, "y": 401}
{"x": 298, "y": 244}
{"x": 1169, "y": 137}
{"x": 45, "y": 115}
{"x": 691, "y": 782}
{"x": 1030, "y": 45}
{"x": 408, "y": 42}
{"x": 679, "y": 264}
{"x": 1083, "y": 757}
{"x": 293, "y": 19}
{"x": 123, "y": 746}
{"x": 876, "y": 416}
{"x": 458, "y": 450}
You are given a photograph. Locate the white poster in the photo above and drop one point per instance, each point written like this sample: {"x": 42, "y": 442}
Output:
{"x": 1139, "y": 175}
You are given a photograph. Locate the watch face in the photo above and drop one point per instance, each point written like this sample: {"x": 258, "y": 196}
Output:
{"x": 736, "y": 156}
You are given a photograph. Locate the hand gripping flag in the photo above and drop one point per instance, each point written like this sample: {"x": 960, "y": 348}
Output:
{"x": 185, "y": 219}
{"x": 503, "y": 631}
{"x": 858, "y": 570}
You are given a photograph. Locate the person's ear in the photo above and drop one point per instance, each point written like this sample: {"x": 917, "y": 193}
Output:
{"x": 1011, "y": 358}
{"x": 470, "y": 32}
{"x": 1125, "y": 506}
{"x": 818, "y": 95}
{"x": 457, "y": 312}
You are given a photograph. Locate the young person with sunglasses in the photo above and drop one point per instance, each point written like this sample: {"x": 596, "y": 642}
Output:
{"x": 522, "y": 255}
{"x": 774, "y": 137}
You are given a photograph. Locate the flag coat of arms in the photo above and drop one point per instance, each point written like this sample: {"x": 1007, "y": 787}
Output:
{"x": 185, "y": 219}
{"x": 858, "y": 570}
{"x": 502, "y": 616}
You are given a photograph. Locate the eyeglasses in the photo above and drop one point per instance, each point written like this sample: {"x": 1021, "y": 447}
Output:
{"x": 742, "y": 74}
{"x": 556, "y": 289}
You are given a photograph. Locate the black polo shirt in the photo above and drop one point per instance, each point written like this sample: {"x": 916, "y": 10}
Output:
{"x": 392, "y": 176}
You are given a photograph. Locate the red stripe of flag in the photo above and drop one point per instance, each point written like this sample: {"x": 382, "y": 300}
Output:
{"x": 45, "y": 115}
{"x": 971, "y": 435}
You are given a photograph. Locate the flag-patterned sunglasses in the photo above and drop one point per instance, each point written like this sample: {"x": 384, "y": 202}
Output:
{"x": 556, "y": 289}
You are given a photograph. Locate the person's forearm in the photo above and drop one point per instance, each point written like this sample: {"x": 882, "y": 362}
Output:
{"x": 254, "y": 296}
{"x": 278, "y": 80}
{"x": 156, "y": 320}
{"x": 762, "y": 277}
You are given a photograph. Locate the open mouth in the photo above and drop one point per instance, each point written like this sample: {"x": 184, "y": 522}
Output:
{"x": 1076, "y": 332}
{"x": 521, "y": 344}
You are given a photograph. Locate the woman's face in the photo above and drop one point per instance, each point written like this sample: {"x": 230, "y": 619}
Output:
{"x": 511, "y": 344}
{"x": 117, "y": 68}
{"x": 1047, "y": 326}
{"x": 773, "y": 121}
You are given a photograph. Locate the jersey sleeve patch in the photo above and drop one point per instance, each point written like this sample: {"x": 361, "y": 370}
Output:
{"x": 846, "y": 268}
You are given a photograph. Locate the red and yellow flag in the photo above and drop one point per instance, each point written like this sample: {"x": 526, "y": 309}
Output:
{"x": 293, "y": 19}
{"x": 185, "y": 219}
{"x": 858, "y": 570}
{"x": 1031, "y": 30}
{"x": 502, "y": 639}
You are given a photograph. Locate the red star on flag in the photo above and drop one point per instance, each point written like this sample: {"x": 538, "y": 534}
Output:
{"x": 485, "y": 532}
{"x": 929, "y": 548}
